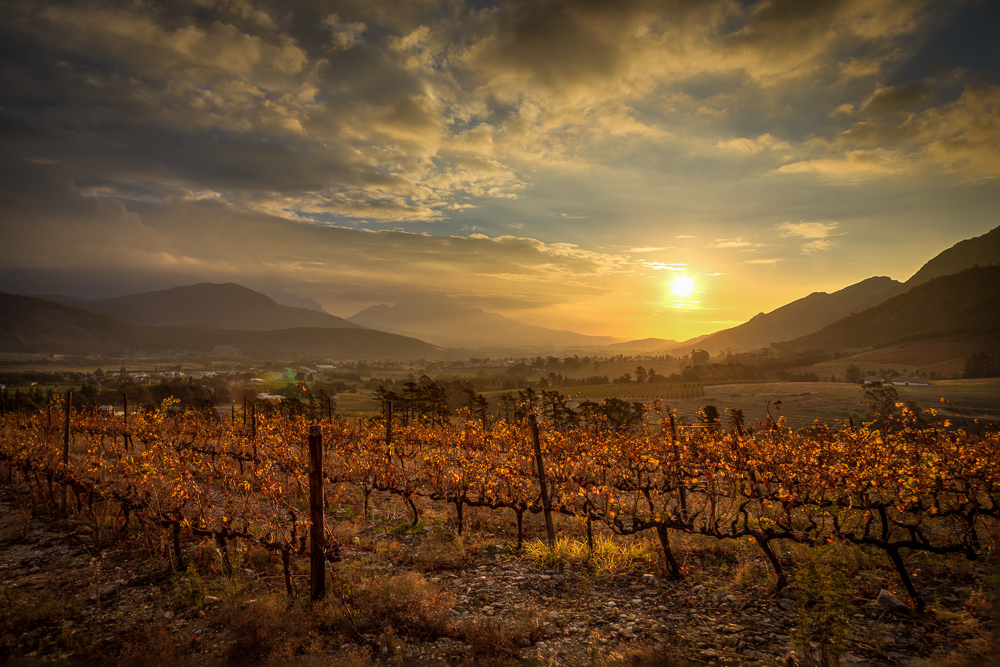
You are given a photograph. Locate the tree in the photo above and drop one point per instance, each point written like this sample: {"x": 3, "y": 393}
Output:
{"x": 981, "y": 365}
{"x": 852, "y": 374}
{"x": 220, "y": 390}
{"x": 640, "y": 374}
{"x": 881, "y": 400}
{"x": 619, "y": 415}
{"x": 709, "y": 414}
{"x": 699, "y": 357}
{"x": 737, "y": 420}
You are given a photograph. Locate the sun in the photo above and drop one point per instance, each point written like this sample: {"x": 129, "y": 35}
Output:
{"x": 682, "y": 287}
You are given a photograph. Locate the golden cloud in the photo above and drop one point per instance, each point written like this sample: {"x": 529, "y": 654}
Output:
{"x": 807, "y": 230}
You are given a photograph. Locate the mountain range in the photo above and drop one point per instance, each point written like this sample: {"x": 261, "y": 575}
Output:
{"x": 964, "y": 303}
{"x": 208, "y": 306}
{"x": 449, "y": 323}
{"x": 799, "y": 317}
{"x": 954, "y": 293}
{"x": 807, "y": 315}
{"x": 34, "y": 325}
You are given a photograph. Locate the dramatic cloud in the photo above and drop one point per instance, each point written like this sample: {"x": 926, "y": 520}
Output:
{"x": 513, "y": 153}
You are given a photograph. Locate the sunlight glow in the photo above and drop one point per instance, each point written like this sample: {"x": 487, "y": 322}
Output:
{"x": 682, "y": 287}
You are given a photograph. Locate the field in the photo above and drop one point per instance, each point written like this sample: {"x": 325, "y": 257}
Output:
{"x": 802, "y": 402}
{"x": 944, "y": 357}
{"x": 191, "y": 534}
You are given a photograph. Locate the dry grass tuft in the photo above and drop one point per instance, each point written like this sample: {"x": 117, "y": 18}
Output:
{"x": 28, "y": 617}
{"x": 267, "y": 628}
{"x": 205, "y": 557}
{"x": 641, "y": 655}
{"x": 405, "y": 603}
{"x": 149, "y": 641}
{"x": 488, "y": 636}
{"x": 15, "y": 525}
{"x": 611, "y": 556}
{"x": 445, "y": 552}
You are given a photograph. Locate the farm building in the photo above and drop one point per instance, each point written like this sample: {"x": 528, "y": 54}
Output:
{"x": 909, "y": 381}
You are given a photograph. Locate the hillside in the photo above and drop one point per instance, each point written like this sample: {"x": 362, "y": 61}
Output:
{"x": 805, "y": 316}
{"x": 30, "y": 324}
{"x": 798, "y": 318}
{"x": 33, "y": 325}
{"x": 978, "y": 251}
{"x": 447, "y": 322}
{"x": 961, "y": 303}
{"x": 209, "y": 306}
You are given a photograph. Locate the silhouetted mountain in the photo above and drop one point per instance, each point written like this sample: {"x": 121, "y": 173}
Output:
{"x": 29, "y": 324}
{"x": 797, "y": 318}
{"x": 447, "y": 322}
{"x": 33, "y": 325}
{"x": 108, "y": 283}
{"x": 209, "y": 306}
{"x": 978, "y": 251}
{"x": 961, "y": 303}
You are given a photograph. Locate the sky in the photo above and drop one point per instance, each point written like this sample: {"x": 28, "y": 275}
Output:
{"x": 633, "y": 169}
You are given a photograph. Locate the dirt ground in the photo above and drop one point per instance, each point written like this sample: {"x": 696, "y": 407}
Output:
{"x": 70, "y": 595}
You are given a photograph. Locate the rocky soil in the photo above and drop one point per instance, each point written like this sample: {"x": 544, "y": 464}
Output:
{"x": 66, "y": 596}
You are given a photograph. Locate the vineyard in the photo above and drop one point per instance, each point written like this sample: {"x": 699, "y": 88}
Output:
{"x": 904, "y": 487}
{"x": 645, "y": 391}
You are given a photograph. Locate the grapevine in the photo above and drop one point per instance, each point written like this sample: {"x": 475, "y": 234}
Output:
{"x": 918, "y": 486}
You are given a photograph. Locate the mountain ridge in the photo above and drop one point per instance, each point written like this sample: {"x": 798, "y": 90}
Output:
{"x": 798, "y": 317}
{"x": 209, "y": 306}
{"x": 967, "y": 302}
{"x": 436, "y": 319}
{"x": 982, "y": 250}
{"x": 33, "y": 325}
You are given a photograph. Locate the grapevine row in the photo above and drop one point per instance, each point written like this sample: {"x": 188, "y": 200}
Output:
{"x": 913, "y": 487}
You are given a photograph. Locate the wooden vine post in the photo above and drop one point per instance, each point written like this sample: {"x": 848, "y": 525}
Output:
{"x": 126, "y": 437}
{"x": 388, "y": 431}
{"x": 677, "y": 462}
{"x": 317, "y": 547}
{"x": 65, "y": 453}
{"x": 550, "y": 530}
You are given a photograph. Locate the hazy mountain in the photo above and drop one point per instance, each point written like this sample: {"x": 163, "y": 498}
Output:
{"x": 644, "y": 345}
{"x": 447, "y": 322}
{"x": 293, "y": 300}
{"x": 209, "y": 306}
{"x": 799, "y": 317}
{"x": 30, "y": 324}
{"x": 33, "y": 325}
{"x": 84, "y": 283}
{"x": 98, "y": 284}
{"x": 654, "y": 345}
{"x": 960, "y": 303}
